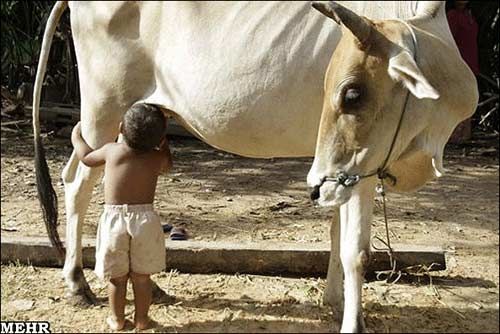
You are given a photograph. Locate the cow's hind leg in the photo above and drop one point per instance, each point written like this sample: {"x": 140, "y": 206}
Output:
{"x": 79, "y": 181}
{"x": 334, "y": 293}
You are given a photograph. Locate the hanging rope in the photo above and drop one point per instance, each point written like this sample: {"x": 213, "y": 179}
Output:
{"x": 392, "y": 275}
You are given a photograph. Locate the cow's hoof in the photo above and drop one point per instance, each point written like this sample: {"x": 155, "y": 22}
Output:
{"x": 337, "y": 306}
{"x": 337, "y": 314}
{"x": 353, "y": 330}
{"x": 84, "y": 298}
{"x": 160, "y": 296}
{"x": 357, "y": 327}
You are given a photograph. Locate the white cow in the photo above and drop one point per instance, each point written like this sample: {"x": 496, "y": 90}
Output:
{"x": 245, "y": 77}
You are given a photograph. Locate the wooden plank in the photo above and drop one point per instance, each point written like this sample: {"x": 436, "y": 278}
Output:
{"x": 265, "y": 258}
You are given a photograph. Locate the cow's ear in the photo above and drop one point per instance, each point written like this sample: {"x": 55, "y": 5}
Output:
{"x": 403, "y": 68}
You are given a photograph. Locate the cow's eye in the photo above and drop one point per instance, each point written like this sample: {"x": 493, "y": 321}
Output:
{"x": 352, "y": 96}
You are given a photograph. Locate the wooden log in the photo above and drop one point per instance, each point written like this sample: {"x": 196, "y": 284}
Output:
{"x": 265, "y": 258}
{"x": 70, "y": 114}
{"x": 18, "y": 122}
{"x": 9, "y": 130}
{"x": 65, "y": 115}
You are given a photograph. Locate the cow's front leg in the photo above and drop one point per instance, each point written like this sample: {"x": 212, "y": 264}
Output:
{"x": 79, "y": 181}
{"x": 356, "y": 217}
{"x": 334, "y": 293}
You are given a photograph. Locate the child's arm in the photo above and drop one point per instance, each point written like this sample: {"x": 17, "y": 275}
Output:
{"x": 167, "y": 156}
{"x": 87, "y": 155}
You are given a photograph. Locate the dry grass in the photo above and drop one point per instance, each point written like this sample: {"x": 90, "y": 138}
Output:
{"x": 252, "y": 303}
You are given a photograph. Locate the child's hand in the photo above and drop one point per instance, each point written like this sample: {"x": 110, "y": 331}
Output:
{"x": 76, "y": 134}
{"x": 167, "y": 162}
{"x": 77, "y": 130}
{"x": 85, "y": 153}
{"x": 163, "y": 144}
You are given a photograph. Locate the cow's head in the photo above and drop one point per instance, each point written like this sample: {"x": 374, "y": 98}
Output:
{"x": 369, "y": 76}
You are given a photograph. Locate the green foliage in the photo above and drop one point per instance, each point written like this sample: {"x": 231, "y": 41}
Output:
{"x": 22, "y": 27}
{"x": 488, "y": 17}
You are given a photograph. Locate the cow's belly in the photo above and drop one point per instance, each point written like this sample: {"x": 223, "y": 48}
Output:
{"x": 254, "y": 132}
{"x": 252, "y": 85}
{"x": 250, "y": 119}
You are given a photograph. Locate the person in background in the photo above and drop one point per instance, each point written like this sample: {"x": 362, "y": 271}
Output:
{"x": 464, "y": 29}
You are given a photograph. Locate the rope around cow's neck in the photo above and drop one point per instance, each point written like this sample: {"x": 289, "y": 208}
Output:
{"x": 392, "y": 272}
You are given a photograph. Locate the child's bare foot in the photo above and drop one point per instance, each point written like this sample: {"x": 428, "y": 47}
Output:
{"x": 142, "y": 323}
{"x": 115, "y": 324}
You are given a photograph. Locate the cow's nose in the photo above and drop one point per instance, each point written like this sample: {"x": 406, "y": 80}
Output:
{"x": 315, "y": 193}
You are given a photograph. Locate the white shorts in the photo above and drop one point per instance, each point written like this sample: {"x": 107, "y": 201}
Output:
{"x": 129, "y": 239}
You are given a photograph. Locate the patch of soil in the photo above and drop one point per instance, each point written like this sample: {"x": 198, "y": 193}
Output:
{"x": 219, "y": 196}
{"x": 252, "y": 303}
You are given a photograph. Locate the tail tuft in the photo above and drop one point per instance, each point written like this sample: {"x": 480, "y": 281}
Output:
{"x": 47, "y": 197}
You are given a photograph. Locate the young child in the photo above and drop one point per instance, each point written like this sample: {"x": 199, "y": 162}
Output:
{"x": 130, "y": 241}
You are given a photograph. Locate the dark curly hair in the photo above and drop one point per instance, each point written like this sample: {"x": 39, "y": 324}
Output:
{"x": 144, "y": 126}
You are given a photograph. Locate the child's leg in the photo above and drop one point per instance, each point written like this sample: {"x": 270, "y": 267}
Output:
{"x": 142, "y": 299}
{"x": 117, "y": 290}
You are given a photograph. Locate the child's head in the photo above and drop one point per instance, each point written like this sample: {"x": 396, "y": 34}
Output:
{"x": 143, "y": 127}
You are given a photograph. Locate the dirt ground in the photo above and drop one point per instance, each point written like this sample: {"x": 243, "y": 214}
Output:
{"x": 218, "y": 196}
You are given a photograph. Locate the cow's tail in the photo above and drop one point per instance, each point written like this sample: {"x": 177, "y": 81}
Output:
{"x": 46, "y": 193}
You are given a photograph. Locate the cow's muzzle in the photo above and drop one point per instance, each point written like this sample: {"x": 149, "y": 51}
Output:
{"x": 341, "y": 178}
{"x": 315, "y": 192}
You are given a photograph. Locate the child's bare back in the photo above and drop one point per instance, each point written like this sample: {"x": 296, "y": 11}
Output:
{"x": 131, "y": 175}
{"x": 131, "y": 172}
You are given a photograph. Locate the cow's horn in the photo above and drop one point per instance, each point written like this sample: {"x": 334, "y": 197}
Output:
{"x": 358, "y": 25}
{"x": 428, "y": 8}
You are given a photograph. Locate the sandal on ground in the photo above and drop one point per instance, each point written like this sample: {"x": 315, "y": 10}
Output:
{"x": 178, "y": 233}
{"x": 167, "y": 228}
